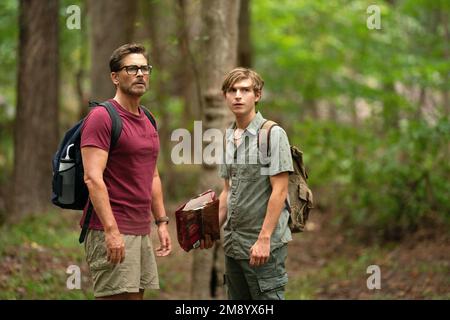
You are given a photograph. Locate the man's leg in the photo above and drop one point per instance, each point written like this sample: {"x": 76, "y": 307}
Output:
{"x": 235, "y": 280}
{"x": 125, "y": 296}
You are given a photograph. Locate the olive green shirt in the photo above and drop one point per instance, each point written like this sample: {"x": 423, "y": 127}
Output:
{"x": 248, "y": 172}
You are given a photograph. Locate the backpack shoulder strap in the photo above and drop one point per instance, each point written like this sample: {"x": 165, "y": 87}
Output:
{"x": 264, "y": 144}
{"x": 264, "y": 135}
{"x": 150, "y": 117}
{"x": 116, "y": 128}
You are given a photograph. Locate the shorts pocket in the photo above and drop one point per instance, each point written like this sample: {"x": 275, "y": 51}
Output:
{"x": 96, "y": 255}
{"x": 99, "y": 263}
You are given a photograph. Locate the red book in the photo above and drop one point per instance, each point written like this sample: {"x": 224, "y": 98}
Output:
{"x": 197, "y": 218}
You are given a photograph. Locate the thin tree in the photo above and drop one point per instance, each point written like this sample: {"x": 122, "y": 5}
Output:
{"x": 245, "y": 48}
{"x": 189, "y": 29}
{"x": 162, "y": 27}
{"x": 219, "y": 54}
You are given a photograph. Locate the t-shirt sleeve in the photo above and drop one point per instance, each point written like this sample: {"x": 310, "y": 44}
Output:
{"x": 280, "y": 159}
{"x": 96, "y": 129}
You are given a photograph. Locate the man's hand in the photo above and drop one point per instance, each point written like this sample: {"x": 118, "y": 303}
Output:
{"x": 115, "y": 246}
{"x": 164, "y": 239}
{"x": 260, "y": 252}
{"x": 207, "y": 242}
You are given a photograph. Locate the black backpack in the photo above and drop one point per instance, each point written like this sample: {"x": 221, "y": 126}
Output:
{"x": 68, "y": 188}
{"x": 300, "y": 195}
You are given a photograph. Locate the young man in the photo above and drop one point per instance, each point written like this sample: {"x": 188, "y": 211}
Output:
{"x": 124, "y": 186}
{"x": 252, "y": 203}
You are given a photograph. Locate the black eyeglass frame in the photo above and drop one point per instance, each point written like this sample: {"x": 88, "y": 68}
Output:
{"x": 137, "y": 70}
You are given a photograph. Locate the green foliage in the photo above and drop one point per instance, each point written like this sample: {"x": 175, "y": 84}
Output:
{"x": 311, "y": 50}
{"x": 402, "y": 182}
{"x": 384, "y": 185}
{"x": 8, "y": 79}
{"x": 387, "y": 172}
{"x": 9, "y": 32}
{"x": 73, "y": 42}
{"x": 73, "y": 63}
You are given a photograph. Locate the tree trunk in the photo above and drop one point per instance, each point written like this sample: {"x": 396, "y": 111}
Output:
{"x": 189, "y": 33}
{"x": 36, "y": 124}
{"x": 245, "y": 43}
{"x": 219, "y": 53}
{"x": 111, "y": 26}
{"x": 162, "y": 27}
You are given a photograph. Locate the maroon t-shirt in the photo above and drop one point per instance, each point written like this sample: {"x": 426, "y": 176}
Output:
{"x": 129, "y": 171}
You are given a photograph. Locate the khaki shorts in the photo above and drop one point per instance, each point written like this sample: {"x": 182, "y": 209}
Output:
{"x": 137, "y": 271}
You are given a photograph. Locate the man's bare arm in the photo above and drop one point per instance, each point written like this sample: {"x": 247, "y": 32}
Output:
{"x": 94, "y": 163}
{"x": 260, "y": 251}
{"x": 159, "y": 211}
{"x": 223, "y": 205}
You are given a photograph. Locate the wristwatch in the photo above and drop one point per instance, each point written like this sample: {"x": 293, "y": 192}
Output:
{"x": 162, "y": 219}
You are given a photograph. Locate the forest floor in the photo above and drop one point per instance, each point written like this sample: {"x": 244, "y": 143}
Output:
{"x": 322, "y": 264}
{"x": 329, "y": 266}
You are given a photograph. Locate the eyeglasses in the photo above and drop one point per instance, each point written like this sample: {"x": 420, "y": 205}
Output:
{"x": 133, "y": 69}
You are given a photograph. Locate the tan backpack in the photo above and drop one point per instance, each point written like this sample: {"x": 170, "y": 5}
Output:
{"x": 300, "y": 195}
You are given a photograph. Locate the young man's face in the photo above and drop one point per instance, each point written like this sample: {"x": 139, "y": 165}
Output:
{"x": 241, "y": 98}
{"x": 129, "y": 83}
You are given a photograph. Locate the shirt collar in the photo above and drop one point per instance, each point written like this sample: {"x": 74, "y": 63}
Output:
{"x": 252, "y": 128}
{"x": 256, "y": 123}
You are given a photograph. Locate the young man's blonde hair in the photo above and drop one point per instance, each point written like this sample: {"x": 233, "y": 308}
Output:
{"x": 239, "y": 74}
